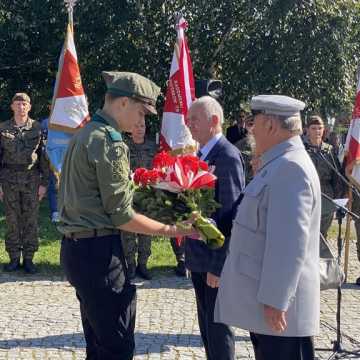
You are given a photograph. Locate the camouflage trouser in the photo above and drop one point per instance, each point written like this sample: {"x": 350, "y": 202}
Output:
{"x": 142, "y": 246}
{"x": 356, "y": 210}
{"x": 21, "y": 206}
{"x": 179, "y": 251}
{"x": 327, "y": 216}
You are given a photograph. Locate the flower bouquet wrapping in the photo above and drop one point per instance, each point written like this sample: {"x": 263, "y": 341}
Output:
{"x": 176, "y": 189}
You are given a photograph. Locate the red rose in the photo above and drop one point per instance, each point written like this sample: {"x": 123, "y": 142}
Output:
{"x": 154, "y": 176}
{"x": 190, "y": 163}
{"x": 151, "y": 177}
{"x": 163, "y": 159}
{"x": 138, "y": 175}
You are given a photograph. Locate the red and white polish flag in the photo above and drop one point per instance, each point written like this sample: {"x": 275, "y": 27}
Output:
{"x": 180, "y": 93}
{"x": 352, "y": 145}
{"x": 69, "y": 106}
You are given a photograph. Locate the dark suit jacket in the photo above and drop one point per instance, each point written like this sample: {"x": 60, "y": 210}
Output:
{"x": 234, "y": 133}
{"x": 230, "y": 182}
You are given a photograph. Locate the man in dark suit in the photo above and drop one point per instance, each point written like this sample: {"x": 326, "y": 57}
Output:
{"x": 237, "y": 131}
{"x": 205, "y": 119}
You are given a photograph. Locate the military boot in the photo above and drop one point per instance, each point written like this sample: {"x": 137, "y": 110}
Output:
{"x": 180, "y": 269}
{"x": 13, "y": 265}
{"x": 29, "y": 266}
{"x": 131, "y": 271}
{"x": 143, "y": 272}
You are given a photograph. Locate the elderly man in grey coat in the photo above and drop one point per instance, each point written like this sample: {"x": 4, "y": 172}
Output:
{"x": 270, "y": 281}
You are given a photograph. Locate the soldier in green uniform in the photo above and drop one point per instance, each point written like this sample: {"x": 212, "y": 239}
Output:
{"x": 24, "y": 175}
{"x": 95, "y": 205}
{"x": 325, "y": 161}
{"x": 142, "y": 151}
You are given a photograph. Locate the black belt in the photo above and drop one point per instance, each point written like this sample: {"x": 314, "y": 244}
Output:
{"x": 91, "y": 233}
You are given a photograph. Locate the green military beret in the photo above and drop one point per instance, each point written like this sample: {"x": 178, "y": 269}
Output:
{"x": 134, "y": 86}
{"x": 21, "y": 97}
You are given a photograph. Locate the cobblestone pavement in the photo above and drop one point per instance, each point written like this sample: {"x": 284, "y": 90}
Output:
{"x": 39, "y": 319}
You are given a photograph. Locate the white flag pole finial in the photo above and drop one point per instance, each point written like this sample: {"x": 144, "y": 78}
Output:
{"x": 178, "y": 16}
{"x": 70, "y": 4}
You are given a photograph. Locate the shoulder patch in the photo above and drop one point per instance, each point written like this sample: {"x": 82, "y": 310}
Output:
{"x": 115, "y": 135}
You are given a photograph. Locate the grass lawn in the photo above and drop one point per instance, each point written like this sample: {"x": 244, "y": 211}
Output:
{"x": 161, "y": 261}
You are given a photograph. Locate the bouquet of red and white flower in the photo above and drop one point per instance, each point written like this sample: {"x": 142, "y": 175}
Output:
{"x": 176, "y": 189}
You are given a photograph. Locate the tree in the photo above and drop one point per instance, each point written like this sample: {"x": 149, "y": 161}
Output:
{"x": 308, "y": 49}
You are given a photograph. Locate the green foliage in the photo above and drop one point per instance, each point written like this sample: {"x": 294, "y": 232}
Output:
{"x": 171, "y": 208}
{"x": 308, "y": 49}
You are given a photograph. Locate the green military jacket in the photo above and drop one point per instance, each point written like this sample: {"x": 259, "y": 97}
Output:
{"x": 330, "y": 182}
{"x": 141, "y": 155}
{"x": 22, "y": 153}
{"x": 95, "y": 187}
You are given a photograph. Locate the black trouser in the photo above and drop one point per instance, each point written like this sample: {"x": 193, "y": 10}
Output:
{"x": 96, "y": 268}
{"x": 268, "y": 347}
{"x": 218, "y": 338}
{"x": 179, "y": 250}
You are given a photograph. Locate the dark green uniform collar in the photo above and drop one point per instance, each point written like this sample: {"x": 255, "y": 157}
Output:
{"x": 106, "y": 119}
{"x": 322, "y": 146}
{"x": 111, "y": 125}
{"x": 27, "y": 126}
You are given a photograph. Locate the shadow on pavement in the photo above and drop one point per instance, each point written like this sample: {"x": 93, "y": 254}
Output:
{"x": 145, "y": 343}
{"x": 22, "y": 277}
{"x": 350, "y": 286}
{"x": 159, "y": 281}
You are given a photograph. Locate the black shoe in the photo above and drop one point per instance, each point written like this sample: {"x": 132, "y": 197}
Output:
{"x": 143, "y": 272}
{"x": 29, "y": 266}
{"x": 180, "y": 269}
{"x": 357, "y": 282}
{"x": 131, "y": 272}
{"x": 13, "y": 265}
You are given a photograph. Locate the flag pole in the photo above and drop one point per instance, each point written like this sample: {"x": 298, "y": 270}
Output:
{"x": 347, "y": 236}
{"x": 352, "y": 167}
{"x": 69, "y": 4}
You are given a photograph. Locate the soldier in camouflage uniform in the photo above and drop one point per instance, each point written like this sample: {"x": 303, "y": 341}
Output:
{"x": 142, "y": 151}
{"x": 24, "y": 175}
{"x": 322, "y": 154}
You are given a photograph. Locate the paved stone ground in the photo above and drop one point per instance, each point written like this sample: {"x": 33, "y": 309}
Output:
{"x": 39, "y": 319}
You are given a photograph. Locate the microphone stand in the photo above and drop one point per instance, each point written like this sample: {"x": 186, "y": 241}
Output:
{"x": 354, "y": 191}
{"x": 339, "y": 352}
{"x": 353, "y": 188}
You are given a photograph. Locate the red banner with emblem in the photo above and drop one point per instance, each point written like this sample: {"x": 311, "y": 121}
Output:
{"x": 352, "y": 145}
{"x": 69, "y": 107}
{"x": 180, "y": 93}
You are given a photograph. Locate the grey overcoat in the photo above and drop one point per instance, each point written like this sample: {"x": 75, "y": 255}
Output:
{"x": 274, "y": 248}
